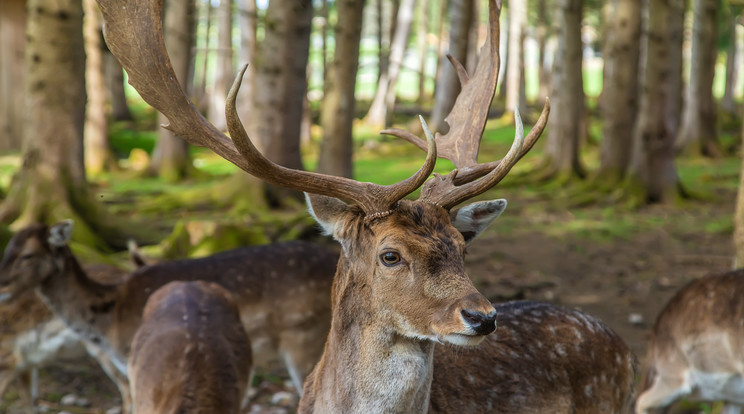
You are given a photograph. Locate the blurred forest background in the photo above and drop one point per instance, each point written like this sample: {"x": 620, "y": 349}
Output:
{"x": 630, "y": 193}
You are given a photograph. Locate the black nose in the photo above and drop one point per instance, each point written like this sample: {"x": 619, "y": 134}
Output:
{"x": 482, "y": 324}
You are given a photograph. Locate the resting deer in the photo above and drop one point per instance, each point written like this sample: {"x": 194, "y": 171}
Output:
{"x": 282, "y": 290}
{"x": 697, "y": 347}
{"x": 190, "y": 353}
{"x": 400, "y": 288}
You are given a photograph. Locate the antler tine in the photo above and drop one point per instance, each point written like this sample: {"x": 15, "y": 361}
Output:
{"x": 443, "y": 192}
{"x": 134, "y": 34}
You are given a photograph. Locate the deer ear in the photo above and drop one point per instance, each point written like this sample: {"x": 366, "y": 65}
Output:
{"x": 328, "y": 212}
{"x": 472, "y": 219}
{"x": 60, "y": 233}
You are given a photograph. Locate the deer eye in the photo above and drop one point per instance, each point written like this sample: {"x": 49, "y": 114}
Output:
{"x": 390, "y": 258}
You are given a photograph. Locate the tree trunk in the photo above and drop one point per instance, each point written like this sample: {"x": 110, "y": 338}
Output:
{"x": 739, "y": 217}
{"x": 652, "y": 176}
{"x": 620, "y": 90}
{"x": 448, "y": 85}
{"x": 338, "y": 106}
{"x": 567, "y": 99}
{"x": 51, "y": 184}
{"x": 247, "y": 21}
{"x": 114, "y": 79}
{"x": 384, "y": 101}
{"x": 12, "y": 71}
{"x": 442, "y": 44}
{"x": 422, "y": 32}
{"x": 170, "y": 160}
{"x": 517, "y": 22}
{"x": 676, "y": 54}
{"x": 99, "y": 156}
{"x": 543, "y": 28}
{"x": 324, "y": 36}
{"x": 223, "y": 72}
{"x": 728, "y": 103}
{"x": 281, "y": 83}
{"x": 200, "y": 96}
{"x": 699, "y": 119}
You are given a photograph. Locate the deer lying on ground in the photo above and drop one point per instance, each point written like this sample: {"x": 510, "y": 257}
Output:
{"x": 697, "y": 347}
{"x": 282, "y": 291}
{"x": 400, "y": 288}
{"x": 190, "y": 354}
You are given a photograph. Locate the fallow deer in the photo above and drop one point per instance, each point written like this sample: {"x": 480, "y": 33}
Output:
{"x": 697, "y": 346}
{"x": 190, "y": 354}
{"x": 401, "y": 287}
{"x": 283, "y": 291}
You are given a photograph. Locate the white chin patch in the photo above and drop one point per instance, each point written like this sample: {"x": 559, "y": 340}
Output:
{"x": 4, "y": 296}
{"x": 463, "y": 340}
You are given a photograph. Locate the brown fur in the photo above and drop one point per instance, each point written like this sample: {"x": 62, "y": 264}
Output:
{"x": 701, "y": 329}
{"x": 190, "y": 353}
{"x": 282, "y": 291}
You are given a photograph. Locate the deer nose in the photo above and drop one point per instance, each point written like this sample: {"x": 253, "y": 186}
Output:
{"x": 481, "y": 323}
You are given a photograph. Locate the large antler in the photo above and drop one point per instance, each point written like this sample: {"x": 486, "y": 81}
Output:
{"x": 134, "y": 34}
{"x": 467, "y": 120}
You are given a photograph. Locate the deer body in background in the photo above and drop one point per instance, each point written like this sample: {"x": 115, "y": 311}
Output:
{"x": 400, "y": 289}
{"x": 282, "y": 292}
{"x": 190, "y": 354}
{"x": 697, "y": 346}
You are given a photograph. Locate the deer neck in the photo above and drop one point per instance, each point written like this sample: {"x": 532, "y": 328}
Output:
{"x": 85, "y": 305}
{"x": 367, "y": 367}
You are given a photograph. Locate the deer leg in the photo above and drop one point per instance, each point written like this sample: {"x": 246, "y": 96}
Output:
{"x": 663, "y": 392}
{"x": 28, "y": 395}
{"x": 730, "y": 408}
{"x": 116, "y": 373}
{"x": 6, "y": 377}
{"x": 300, "y": 351}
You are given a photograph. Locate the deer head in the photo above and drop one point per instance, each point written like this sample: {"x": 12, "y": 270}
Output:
{"x": 33, "y": 255}
{"x": 403, "y": 260}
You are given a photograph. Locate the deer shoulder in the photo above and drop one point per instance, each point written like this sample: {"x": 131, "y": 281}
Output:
{"x": 190, "y": 353}
{"x": 697, "y": 345}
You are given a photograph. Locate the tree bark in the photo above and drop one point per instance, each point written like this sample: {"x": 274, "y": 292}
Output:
{"x": 12, "y": 73}
{"x": 448, "y": 85}
{"x": 384, "y": 100}
{"x": 422, "y": 32}
{"x": 699, "y": 118}
{"x": 739, "y": 217}
{"x": 224, "y": 72}
{"x": 728, "y": 102}
{"x": 51, "y": 184}
{"x": 567, "y": 98}
{"x": 338, "y": 106}
{"x": 517, "y": 21}
{"x": 247, "y": 21}
{"x": 99, "y": 156}
{"x": 652, "y": 176}
{"x": 200, "y": 95}
{"x": 114, "y": 79}
{"x": 171, "y": 160}
{"x": 620, "y": 91}
{"x": 281, "y": 84}
{"x": 543, "y": 29}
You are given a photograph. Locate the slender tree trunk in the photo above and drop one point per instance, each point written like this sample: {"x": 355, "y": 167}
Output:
{"x": 448, "y": 85}
{"x": 543, "y": 28}
{"x": 12, "y": 71}
{"x": 422, "y": 32}
{"x": 676, "y": 54}
{"x": 566, "y": 118}
{"x": 699, "y": 118}
{"x": 51, "y": 184}
{"x": 338, "y": 106}
{"x": 324, "y": 36}
{"x": 171, "y": 160}
{"x": 201, "y": 97}
{"x": 652, "y": 176}
{"x": 114, "y": 75}
{"x": 247, "y": 20}
{"x": 620, "y": 91}
{"x": 739, "y": 217}
{"x": 99, "y": 156}
{"x": 473, "y": 43}
{"x": 223, "y": 73}
{"x": 384, "y": 101}
{"x": 728, "y": 103}
{"x": 442, "y": 43}
{"x": 517, "y": 22}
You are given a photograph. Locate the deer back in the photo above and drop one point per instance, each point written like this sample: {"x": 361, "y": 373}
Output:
{"x": 542, "y": 358}
{"x": 191, "y": 353}
{"x": 697, "y": 344}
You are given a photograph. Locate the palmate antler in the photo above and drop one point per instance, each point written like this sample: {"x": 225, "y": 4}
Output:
{"x": 467, "y": 120}
{"x": 134, "y": 34}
